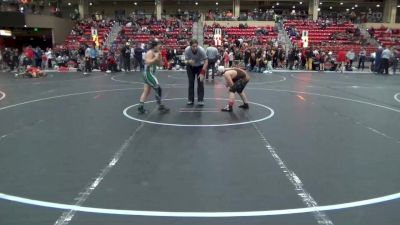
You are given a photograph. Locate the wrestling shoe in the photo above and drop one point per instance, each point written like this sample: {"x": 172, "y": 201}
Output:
{"x": 227, "y": 108}
{"x": 163, "y": 109}
{"x": 244, "y": 106}
{"x": 141, "y": 110}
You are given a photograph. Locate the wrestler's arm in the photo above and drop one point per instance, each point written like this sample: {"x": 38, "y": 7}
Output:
{"x": 228, "y": 79}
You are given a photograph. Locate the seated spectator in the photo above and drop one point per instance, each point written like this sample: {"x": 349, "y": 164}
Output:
{"x": 111, "y": 64}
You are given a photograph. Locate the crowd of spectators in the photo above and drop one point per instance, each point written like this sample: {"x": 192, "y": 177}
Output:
{"x": 256, "y": 49}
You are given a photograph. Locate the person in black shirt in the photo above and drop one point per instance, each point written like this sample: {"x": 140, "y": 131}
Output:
{"x": 126, "y": 57}
{"x": 246, "y": 57}
{"x": 138, "y": 57}
{"x": 253, "y": 61}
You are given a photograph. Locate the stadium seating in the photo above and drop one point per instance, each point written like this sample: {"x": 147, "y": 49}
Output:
{"x": 173, "y": 39}
{"x": 323, "y": 38}
{"x": 387, "y": 38}
{"x": 233, "y": 33}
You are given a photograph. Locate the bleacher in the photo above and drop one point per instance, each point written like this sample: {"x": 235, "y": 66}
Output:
{"x": 387, "y": 39}
{"x": 234, "y": 33}
{"x": 169, "y": 38}
{"x": 323, "y": 38}
{"x": 73, "y": 41}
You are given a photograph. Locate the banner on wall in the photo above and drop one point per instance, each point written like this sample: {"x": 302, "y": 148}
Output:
{"x": 304, "y": 38}
{"x": 217, "y": 36}
{"x": 95, "y": 37}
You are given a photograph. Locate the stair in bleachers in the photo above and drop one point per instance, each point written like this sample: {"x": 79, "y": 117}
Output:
{"x": 365, "y": 33}
{"x": 325, "y": 38}
{"x": 200, "y": 33}
{"x": 115, "y": 30}
{"x": 387, "y": 37}
{"x": 283, "y": 37}
{"x": 82, "y": 34}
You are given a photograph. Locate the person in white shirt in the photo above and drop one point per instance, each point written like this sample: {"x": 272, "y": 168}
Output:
{"x": 49, "y": 56}
{"x": 230, "y": 58}
{"x": 372, "y": 57}
{"x": 386, "y": 56}
{"x": 350, "y": 56}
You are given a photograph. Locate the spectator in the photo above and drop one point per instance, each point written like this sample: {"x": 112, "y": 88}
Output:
{"x": 350, "y": 57}
{"x": 341, "y": 60}
{"x": 378, "y": 60}
{"x": 386, "y": 56}
{"x": 226, "y": 58}
{"x": 126, "y": 57}
{"x": 138, "y": 61}
{"x": 87, "y": 59}
{"x": 309, "y": 59}
{"x": 231, "y": 57}
{"x": 396, "y": 57}
{"x": 362, "y": 55}
{"x": 212, "y": 56}
{"x": 93, "y": 56}
{"x": 49, "y": 56}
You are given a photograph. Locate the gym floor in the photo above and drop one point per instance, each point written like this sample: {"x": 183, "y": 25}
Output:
{"x": 314, "y": 148}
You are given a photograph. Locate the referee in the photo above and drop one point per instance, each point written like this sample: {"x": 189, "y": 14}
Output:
{"x": 196, "y": 67}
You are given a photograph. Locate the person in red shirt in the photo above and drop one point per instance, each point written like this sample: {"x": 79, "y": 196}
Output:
{"x": 226, "y": 58}
{"x": 29, "y": 53}
{"x": 341, "y": 60}
{"x": 111, "y": 63}
{"x": 164, "y": 57}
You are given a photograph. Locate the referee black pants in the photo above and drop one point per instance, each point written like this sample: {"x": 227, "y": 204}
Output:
{"x": 193, "y": 74}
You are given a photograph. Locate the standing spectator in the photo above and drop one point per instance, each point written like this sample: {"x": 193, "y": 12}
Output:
{"x": 322, "y": 60}
{"x": 49, "y": 56}
{"x": 341, "y": 60}
{"x": 253, "y": 62}
{"x": 15, "y": 60}
{"x": 372, "y": 58}
{"x": 231, "y": 57}
{"x": 38, "y": 57}
{"x": 87, "y": 59}
{"x": 291, "y": 56}
{"x": 238, "y": 57}
{"x": 44, "y": 61}
{"x": 268, "y": 62}
{"x": 309, "y": 60}
{"x": 7, "y": 57}
{"x": 164, "y": 57}
{"x": 93, "y": 57}
{"x": 386, "y": 55}
{"x": 212, "y": 56}
{"x": 378, "y": 60}
{"x": 30, "y": 55}
{"x": 350, "y": 57}
{"x": 268, "y": 58}
{"x": 226, "y": 58}
{"x": 395, "y": 60}
{"x": 138, "y": 51}
{"x": 362, "y": 55}
{"x": 126, "y": 57}
{"x": 197, "y": 64}
{"x": 246, "y": 57}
